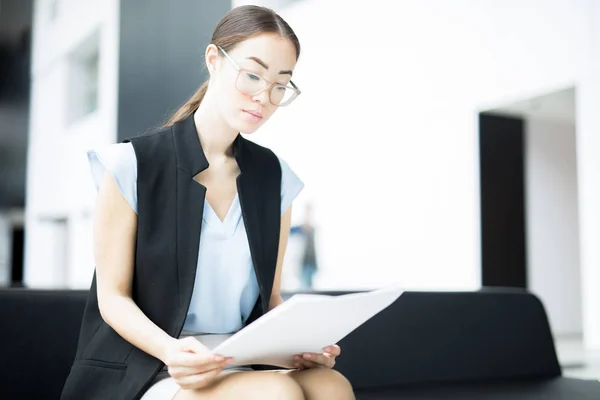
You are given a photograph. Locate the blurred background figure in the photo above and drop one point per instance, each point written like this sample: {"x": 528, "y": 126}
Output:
{"x": 308, "y": 258}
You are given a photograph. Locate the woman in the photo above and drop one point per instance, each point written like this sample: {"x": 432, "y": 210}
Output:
{"x": 190, "y": 230}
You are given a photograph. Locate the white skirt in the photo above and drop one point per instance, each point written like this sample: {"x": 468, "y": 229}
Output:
{"x": 163, "y": 387}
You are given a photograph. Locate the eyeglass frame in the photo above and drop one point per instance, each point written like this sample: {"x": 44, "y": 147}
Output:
{"x": 270, "y": 84}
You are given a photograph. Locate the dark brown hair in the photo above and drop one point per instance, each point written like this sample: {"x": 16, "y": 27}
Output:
{"x": 237, "y": 25}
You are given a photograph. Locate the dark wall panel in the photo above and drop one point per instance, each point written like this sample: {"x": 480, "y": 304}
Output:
{"x": 16, "y": 18}
{"x": 161, "y": 60}
{"x": 503, "y": 246}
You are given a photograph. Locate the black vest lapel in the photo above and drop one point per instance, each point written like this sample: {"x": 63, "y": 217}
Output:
{"x": 190, "y": 205}
{"x": 249, "y": 201}
{"x": 259, "y": 187}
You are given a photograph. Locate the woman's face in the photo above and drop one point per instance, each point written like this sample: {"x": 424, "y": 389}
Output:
{"x": 268, "y": 56}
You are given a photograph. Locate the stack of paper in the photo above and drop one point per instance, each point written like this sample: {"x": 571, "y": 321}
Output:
{"x": 304, "y": 323}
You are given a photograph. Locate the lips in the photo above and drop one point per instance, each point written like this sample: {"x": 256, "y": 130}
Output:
{"x": 255, "y": 113}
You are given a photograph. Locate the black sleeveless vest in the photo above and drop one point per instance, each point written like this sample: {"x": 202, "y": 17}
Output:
{"x": 170, "y": 205}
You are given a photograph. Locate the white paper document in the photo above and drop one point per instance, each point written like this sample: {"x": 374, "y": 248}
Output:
{"x": 304, "y": 323}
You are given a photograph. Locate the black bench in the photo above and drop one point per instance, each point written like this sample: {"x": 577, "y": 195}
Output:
{"x": 488, "y": 344}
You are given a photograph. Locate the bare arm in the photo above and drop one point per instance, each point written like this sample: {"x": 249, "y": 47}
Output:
{"x": 115, "y": 228}
{"x": 286, "y": 222}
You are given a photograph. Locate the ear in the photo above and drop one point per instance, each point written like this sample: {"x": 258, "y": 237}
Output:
{"x": 211, "y": 57}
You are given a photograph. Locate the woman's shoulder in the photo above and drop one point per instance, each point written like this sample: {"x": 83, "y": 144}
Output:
{"x": 266, "y": 155}
{"x": 291, "y": 184}
{"x": 112, "y": 147}
{"x": 119, "y": 160}
{"x": 115, "y": 156}
{"x": 261, "y": 154}
{"x": 153, "y": 137}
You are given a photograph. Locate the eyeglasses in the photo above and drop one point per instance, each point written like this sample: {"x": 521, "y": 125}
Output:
{"x": 251, "y": 84}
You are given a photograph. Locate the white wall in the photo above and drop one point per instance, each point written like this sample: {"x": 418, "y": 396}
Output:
{"x": 385, "y": 132}
{"x": 59, "y": 184}
{"x": 588, "y": 157}
{"x": 553, "y": 222}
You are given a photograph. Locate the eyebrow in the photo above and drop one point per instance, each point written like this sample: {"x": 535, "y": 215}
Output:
{"x": 265, "y": 66}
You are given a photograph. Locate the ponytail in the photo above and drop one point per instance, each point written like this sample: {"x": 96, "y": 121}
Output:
{"x": 189, "y": 107}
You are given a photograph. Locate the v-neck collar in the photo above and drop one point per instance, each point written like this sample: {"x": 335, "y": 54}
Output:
{"x": 229, "y": 223}
{"x": 212, "y": 211}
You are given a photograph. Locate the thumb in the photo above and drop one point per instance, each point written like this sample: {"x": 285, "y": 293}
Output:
{"x": 193, "y": 345}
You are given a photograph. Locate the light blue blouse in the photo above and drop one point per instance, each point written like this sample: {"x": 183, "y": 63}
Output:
{"x": 225, "y": 289}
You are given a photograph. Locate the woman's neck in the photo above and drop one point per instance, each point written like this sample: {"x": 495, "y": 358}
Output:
{"x": 216, "y": 137}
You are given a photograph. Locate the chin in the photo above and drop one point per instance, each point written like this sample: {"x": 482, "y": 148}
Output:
{"x": 242, "y": 123}
{"x": 247, "y": 128}
{"x": 248, "y": 131}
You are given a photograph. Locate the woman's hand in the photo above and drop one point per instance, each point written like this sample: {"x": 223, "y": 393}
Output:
{"x": 191, "y": 364}
{"x": 316, "y": 360}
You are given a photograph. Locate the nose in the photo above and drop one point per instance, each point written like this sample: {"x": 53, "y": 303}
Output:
{"x": 262, "y": 97}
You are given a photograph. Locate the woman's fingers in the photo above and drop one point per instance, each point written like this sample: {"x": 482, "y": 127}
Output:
{"x": 193, "y": 345}
{"x": 313, "y": 360}
{"x": 321, "y": 359}
{"x": 200, "y": 361}
{"x": 178, "y": 371}
{"x": 194, "y": 360}
{"x": 303, "y": 364}
{"x": 198, "y": 381}
{"x": 316, "y": 360}
{"x": 334, "y": 350}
